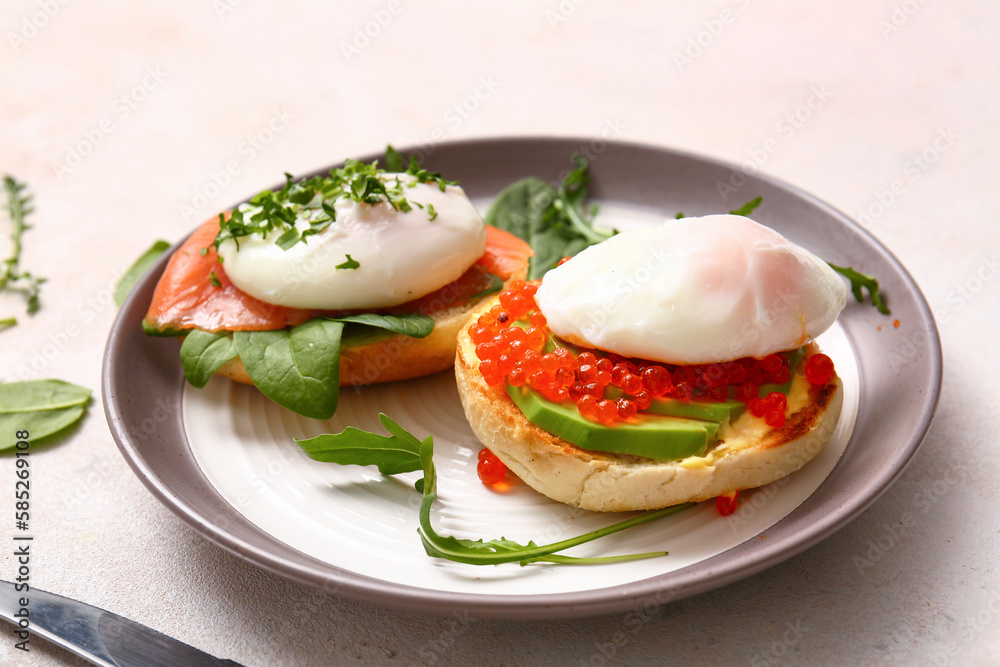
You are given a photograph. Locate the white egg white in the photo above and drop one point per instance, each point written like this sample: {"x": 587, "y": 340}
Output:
{"x": 693, "y": 291}
{"x": 401, "y": 255}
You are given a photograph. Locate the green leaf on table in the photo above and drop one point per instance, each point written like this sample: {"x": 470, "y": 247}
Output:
{"x": 136, "y": 271}
{"x": 41, "y": 407}
{"x": 298, "y": 368}
{"x": 203, "y": 353}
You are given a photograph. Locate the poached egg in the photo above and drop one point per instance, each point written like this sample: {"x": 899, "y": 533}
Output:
{"x": 371, "y": 256}
{"x": 693, "y": 291}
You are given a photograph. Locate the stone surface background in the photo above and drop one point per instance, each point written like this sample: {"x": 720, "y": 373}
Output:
{"x": 885, "y": 109}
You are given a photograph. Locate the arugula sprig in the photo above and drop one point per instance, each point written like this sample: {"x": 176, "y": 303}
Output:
{"x": 18, "y": 207}
{"x": 402, "y": 452}
{"x": 555, "y": 222}
{"x": 306, "y": 207}
{"x": 861, "y": 281}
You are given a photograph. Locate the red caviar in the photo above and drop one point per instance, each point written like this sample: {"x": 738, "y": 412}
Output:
{"x": 492, "y": 470}
{"x": 726, "y": 503}
{"x": 511, "y": 341}
{"x": 819, "y": 369}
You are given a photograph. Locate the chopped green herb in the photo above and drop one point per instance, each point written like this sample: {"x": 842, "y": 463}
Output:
{"x": 214, "y": 279}
{"x": 430, "y": 211}
{"x": 401, "y": 452}
{"x": 349, "y": 265}
{"x": 19, "y": 206}
{"x": 304, "y": 208}
{"x": 747, "y": 208}
{"x": 861, "y": 281}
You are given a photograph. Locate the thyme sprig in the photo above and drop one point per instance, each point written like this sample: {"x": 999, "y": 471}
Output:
{"x": 306, "y": 207}
{"x": 18, "y": 207}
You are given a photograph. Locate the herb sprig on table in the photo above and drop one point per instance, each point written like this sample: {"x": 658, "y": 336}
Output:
{"x": 401, "y": 452}
{"x": 11, "y": 275}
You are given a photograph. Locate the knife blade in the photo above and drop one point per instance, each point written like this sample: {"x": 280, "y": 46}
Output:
{"x": 97, "y": 635}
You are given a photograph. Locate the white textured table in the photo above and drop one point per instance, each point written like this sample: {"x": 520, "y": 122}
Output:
{"x": 133, "y": 124}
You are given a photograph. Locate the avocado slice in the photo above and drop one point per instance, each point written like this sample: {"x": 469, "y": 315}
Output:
{"x": 652, "y": 436}
{"x": 714, "y": 411}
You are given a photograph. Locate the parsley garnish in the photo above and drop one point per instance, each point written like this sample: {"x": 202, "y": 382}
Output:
{"x": 214, "y": 279}
{"x": 304, "y": 208}
{"x": 349, "y": 265}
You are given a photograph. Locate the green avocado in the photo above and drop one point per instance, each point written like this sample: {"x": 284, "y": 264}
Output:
{"x": 652, "y": 436}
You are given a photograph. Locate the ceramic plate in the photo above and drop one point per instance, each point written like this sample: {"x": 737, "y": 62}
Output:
{"x": 222, "y": 458}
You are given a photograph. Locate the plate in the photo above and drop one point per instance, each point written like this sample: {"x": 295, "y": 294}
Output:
{"x": 892, "y": 373}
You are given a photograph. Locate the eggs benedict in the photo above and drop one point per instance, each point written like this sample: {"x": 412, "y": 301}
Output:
{"x": 355, "y": 277}
{"x": 664, "y": 365}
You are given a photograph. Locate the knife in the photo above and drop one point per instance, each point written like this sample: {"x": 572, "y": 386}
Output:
{"x": 96, "y": 635}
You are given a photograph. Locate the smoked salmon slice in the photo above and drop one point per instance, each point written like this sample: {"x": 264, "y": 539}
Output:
{"x": 195, "y": 293}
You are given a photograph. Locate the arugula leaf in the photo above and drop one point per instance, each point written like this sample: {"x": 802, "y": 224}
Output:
{"x": 349, "y": 265}
{"x": 138, "y": 268}
{"x": 42, "y": 407}
{"x": 861, "y": 281}
{"x": 18, "y": 206}
{"x": 203, "y": 353}
{"x": 298, "y": 368}
{"x": 403, "y": 452}
{"x": 394, "y": 454}
{"x": 413, "y": 325}
{"x": 747, "y": 208}
{"x": 553, "y": 222}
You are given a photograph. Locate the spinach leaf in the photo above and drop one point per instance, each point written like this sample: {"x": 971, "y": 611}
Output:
{"x": 298, "y": 368}
{"x": 553, "y": 222}
{"x": 42, "y": 407}
{"x": 403, "y": 452}
{"x": 203, "y": 353}
{"x": 136, "y": 271}
{"x": 414, "y": 325}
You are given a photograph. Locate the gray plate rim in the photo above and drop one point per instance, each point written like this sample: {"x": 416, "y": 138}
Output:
{"x": 900, "y": 371}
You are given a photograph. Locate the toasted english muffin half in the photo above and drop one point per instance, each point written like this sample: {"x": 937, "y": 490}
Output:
{"x": 749, "y": 453}
{"x": 391, "y": 357}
